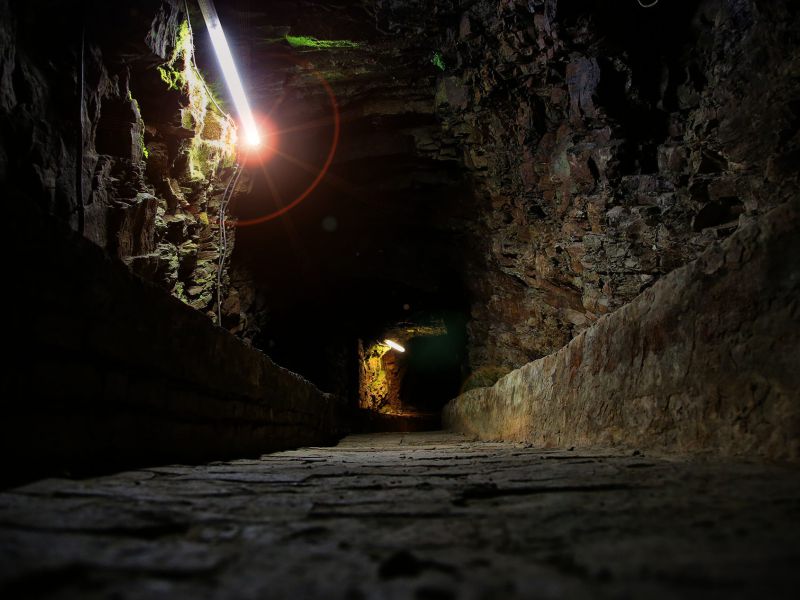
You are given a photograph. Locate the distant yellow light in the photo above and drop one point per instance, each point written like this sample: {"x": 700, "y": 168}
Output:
{"x": 394, "y": 345}
{"x": 223, "y": 52}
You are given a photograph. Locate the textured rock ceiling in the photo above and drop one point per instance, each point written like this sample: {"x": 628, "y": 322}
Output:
{"x": 379, "y": 238}
{"x": 570, "y": 153}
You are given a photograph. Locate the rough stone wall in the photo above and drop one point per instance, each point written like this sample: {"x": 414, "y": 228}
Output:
{"x": 704, "y": 360}
{"x": 141, "y": 199}
{"x": 112, "y": 372}
{"x": 610, "y": 144}
{"x": 602, "y": 144}
{"x": 380, "y": 375}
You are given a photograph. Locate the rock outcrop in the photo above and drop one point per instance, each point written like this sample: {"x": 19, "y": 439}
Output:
{"x": 706, "y": 359}
{"x": 149, "y": 189}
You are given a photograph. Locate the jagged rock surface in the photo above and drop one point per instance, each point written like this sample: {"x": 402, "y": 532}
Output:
{"x": 704, "y": 360}
{"x": 139, "y": 201}
{"x": 610, "y": 145}
{"x": 556, "y": 157}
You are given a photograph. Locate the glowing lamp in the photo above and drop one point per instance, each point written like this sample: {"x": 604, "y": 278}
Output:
{"x": 234, "y": 83}
{"x": 394, "y": 345}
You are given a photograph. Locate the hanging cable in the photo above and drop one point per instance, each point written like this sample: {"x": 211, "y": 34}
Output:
{"x": 651, "y": 5}
{"x": 223, "y": 235}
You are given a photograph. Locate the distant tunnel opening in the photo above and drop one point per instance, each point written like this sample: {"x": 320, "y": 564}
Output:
{"x": 433, "y": 373}
{"x": 409, "y": 372}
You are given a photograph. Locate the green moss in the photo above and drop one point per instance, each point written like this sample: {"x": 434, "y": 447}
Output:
{"x": 304, "y": 41}
{"x": 204, "y": 158}
{"x": 173, "y": 78}
{"x": 145, "y": 152}
{"x": 197, "y": 158}
{"x": 187, "y": 122}
{"x": 228, "y": 161}
{"x": 438, "y": 61}
{"x": 179, "y": 292}
{"x": 209, "y": 147}
{"x": 183, "y": 40}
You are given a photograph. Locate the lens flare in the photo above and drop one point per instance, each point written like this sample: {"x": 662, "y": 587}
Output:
{"x": 253, "y": 154}
{"x": 272, "y": 148}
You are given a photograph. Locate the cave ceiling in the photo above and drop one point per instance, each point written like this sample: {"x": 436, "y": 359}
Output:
{"x": 383, "y": 232}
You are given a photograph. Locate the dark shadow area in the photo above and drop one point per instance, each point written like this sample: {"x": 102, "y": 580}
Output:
{"x": 660, "y": 76}
{"x": 434, "y": 372}
{"x": 371, "y": 246}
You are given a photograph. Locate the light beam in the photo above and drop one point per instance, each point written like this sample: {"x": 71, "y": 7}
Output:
{"x": 223, "y": 52}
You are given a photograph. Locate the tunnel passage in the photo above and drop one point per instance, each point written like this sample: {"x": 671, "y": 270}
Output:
{"x": 434, "y": 373}
{"x": 325, "y": 269}
{"x": 524, "y": 167}
{"x": 412, "y": 369}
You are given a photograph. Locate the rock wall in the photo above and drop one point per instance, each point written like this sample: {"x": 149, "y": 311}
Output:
{"x": 704, "y": 360}
{"x": 608, "y": 145}
{"x": 380, "y": 376}
{"x": 113, "y": 163}
{"x": 106, "y": 371}
{"x": 154, "y": 162}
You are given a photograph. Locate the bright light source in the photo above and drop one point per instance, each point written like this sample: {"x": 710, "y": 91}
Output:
{"x": 251, "y": 134}
{"x": 394, "y": 345}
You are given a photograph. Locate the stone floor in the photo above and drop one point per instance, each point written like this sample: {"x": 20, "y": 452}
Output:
{"x": 423, "y": 515}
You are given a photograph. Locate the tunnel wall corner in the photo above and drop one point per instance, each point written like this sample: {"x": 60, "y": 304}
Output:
{"x": 703, "y": 361}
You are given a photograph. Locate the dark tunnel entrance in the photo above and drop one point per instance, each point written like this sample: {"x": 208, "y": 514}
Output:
{"x": 373, "y": 251}
{"x": 410, "y": 370}
{"x": 434, "y": 372}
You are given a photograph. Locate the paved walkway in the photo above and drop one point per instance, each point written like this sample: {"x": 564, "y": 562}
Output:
{"x": 427, "y": 516}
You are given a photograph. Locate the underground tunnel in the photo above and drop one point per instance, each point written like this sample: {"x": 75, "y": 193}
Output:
{"x": 427, "y": 299}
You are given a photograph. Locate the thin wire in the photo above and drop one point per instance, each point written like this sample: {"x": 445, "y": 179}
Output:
{"x": 223, "y": 235}
{"x": 232, "y": 182}
{"x": 651, "y": 5}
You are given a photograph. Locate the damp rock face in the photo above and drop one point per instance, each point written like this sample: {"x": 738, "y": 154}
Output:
{"x": 149, "y": 191}
{"x": 110, "y": 366}
{"x": 532, "y": 165}
{"x": 704, "y": 360}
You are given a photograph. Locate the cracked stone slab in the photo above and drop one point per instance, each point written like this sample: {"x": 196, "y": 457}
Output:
{"x": 422, "y": 515}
